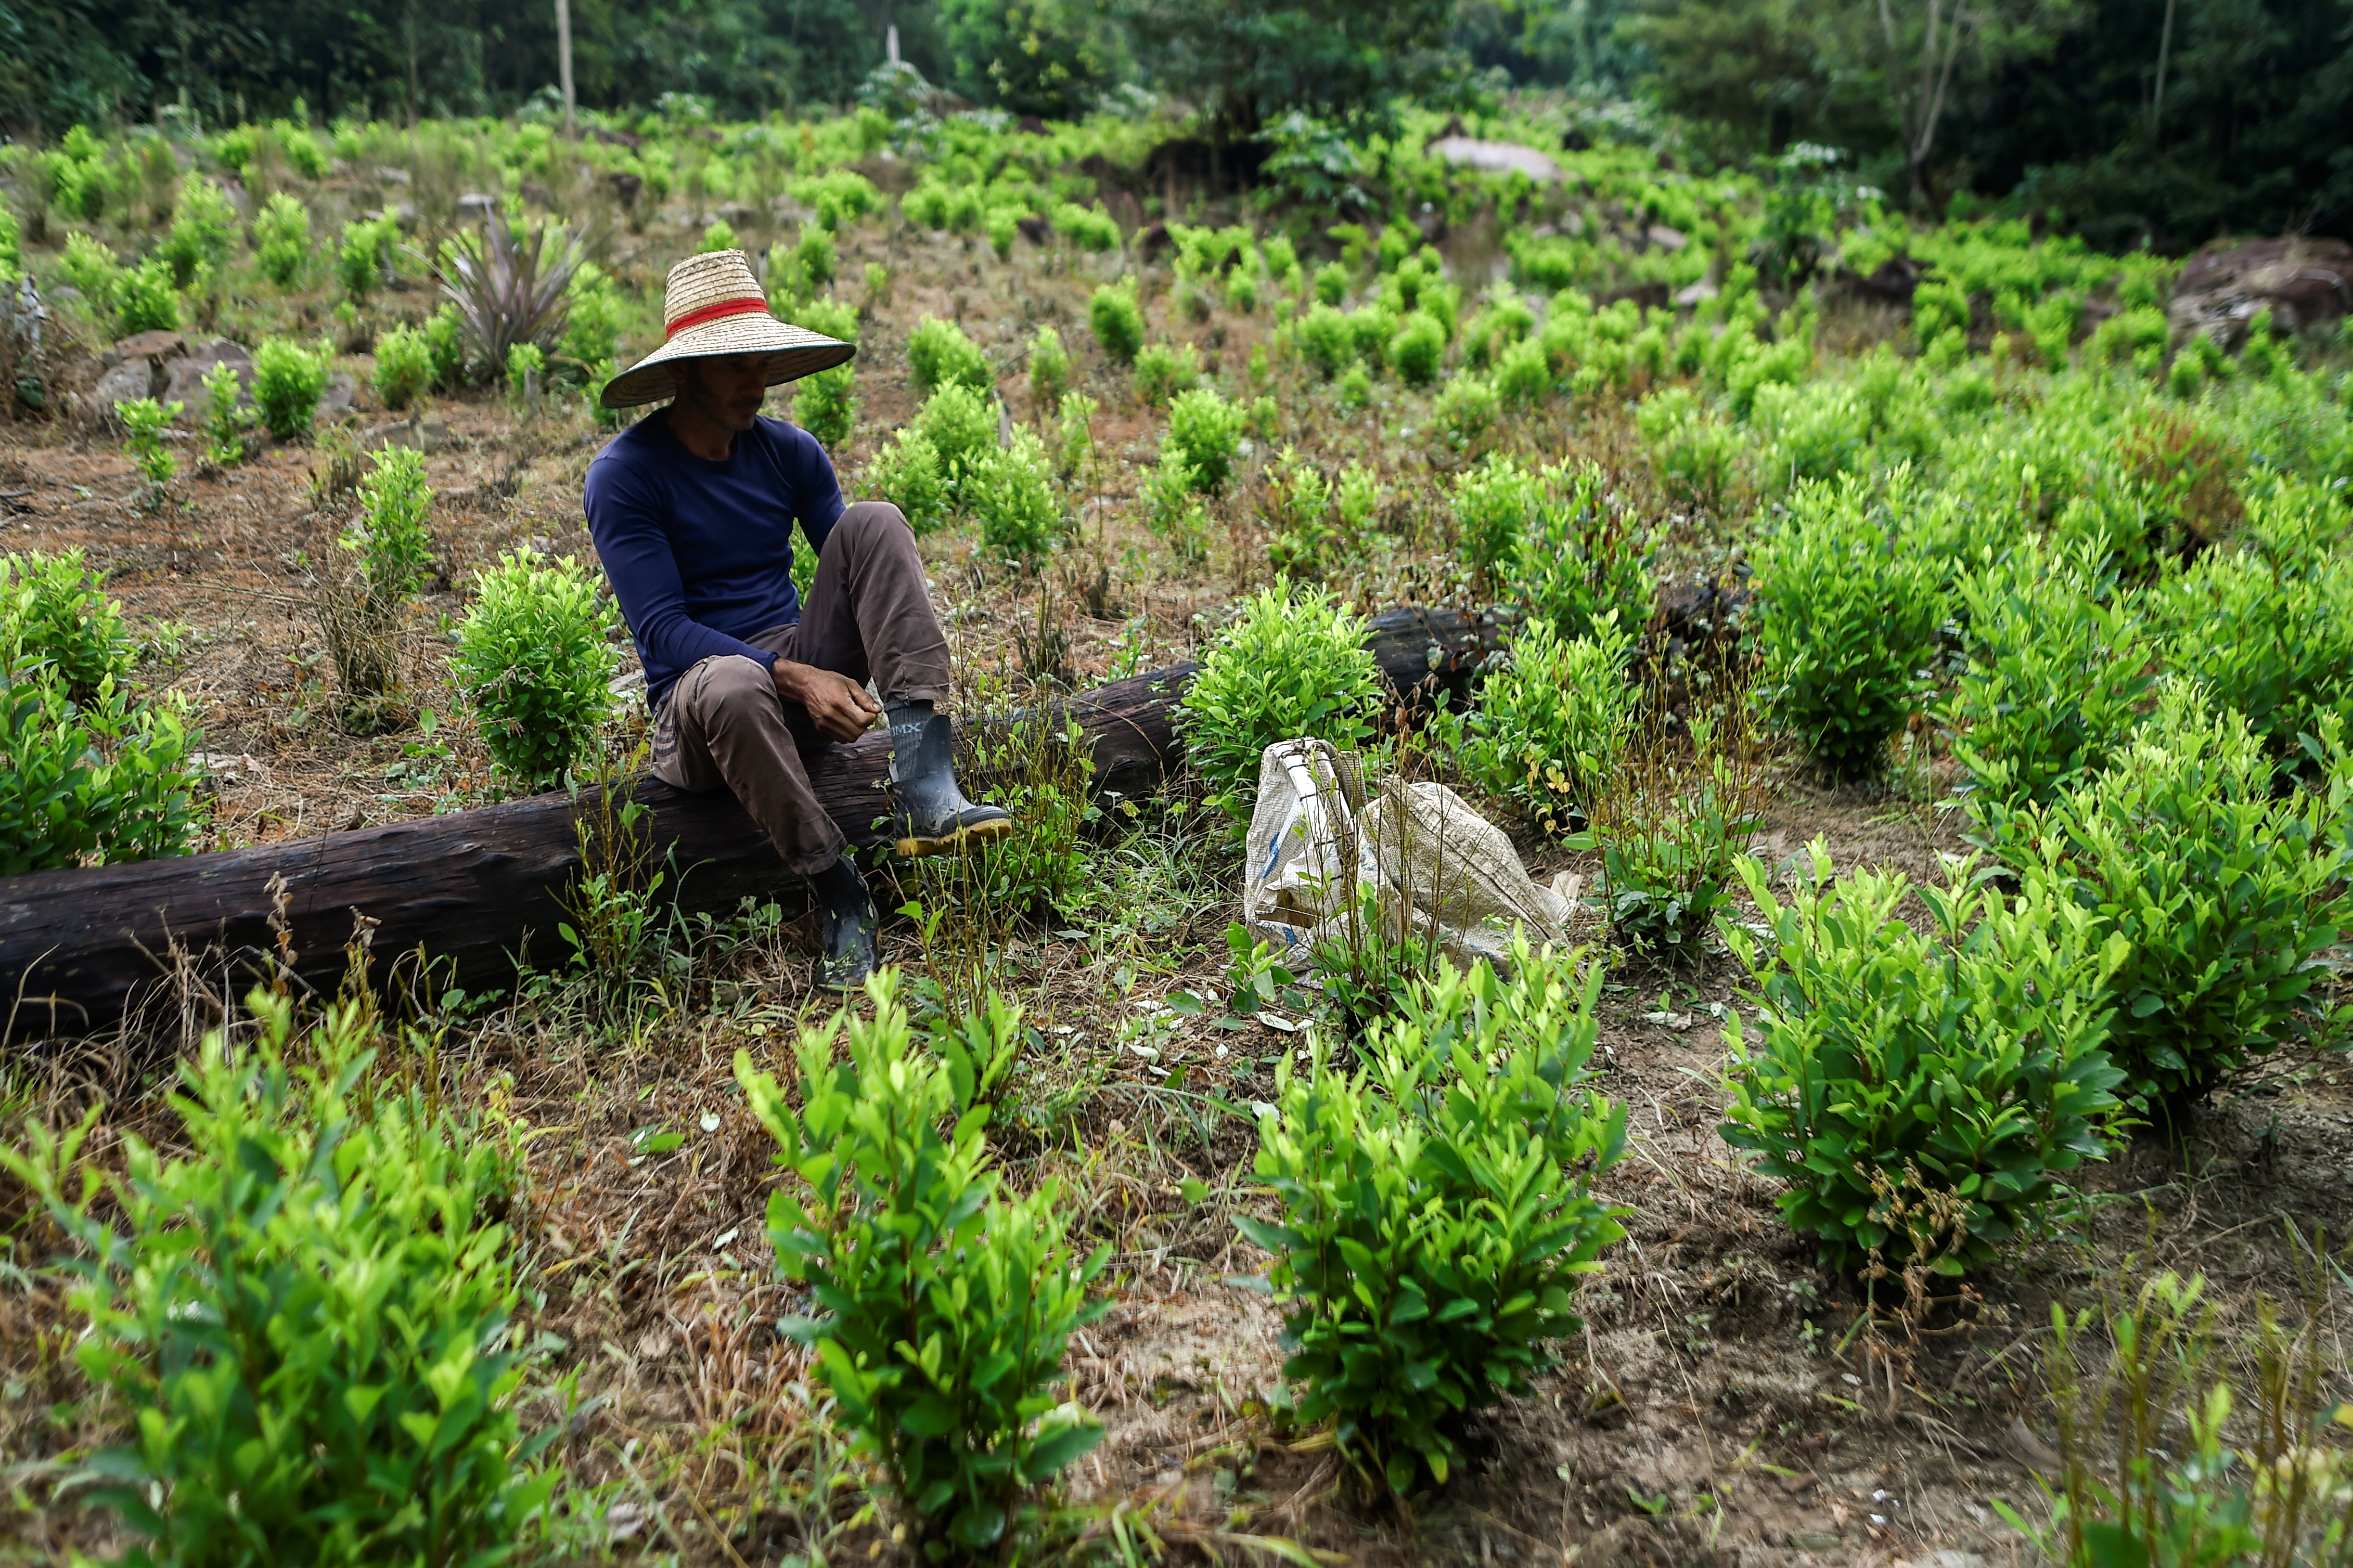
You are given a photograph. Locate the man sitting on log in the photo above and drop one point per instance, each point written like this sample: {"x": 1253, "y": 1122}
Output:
{"x": 692, "y": 513}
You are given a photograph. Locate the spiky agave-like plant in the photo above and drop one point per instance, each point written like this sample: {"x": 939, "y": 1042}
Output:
{"x": 510, "y": 289}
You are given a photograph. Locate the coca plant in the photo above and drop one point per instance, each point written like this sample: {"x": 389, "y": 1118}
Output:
{"x": 1437, "y": 1205}
{"x": 534, "y": 659}
{"x": 1292, "y": 663}
{"x": 1848, "y": 614}
{"x": 2226, "y": 892}
{"x": 942, "y": 1304}
{"x": 309, "y": 1300}
{"x": 1965, "y": 1063}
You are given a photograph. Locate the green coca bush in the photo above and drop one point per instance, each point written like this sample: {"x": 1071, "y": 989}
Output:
{"x": 2226, "y": 894}
{"x": 310, "y": 1303}
{"x": 940, "y": 355}
{"x": 1847, "y": 617}
{"x": 906, "y": 473}
{"x": 1049, "y": 369}
{"x": 1582, "y": 556}
{"x": 2057, "y": 670}
{"x": 364, "y": 254}
{"x": 99, "y": 779}
{"x": 1493, "y": 505}
{"x": 534, "y": 659}
{"x": 1088, "y": 228}
{"x": 961, "y": 426}
{"x": 203, "y": 232}
{"x": 54, "y": 612}
{"x": 1162, "y": 371}
{"x": 1207, "y": 431}
{"x": 1292, "y": 663}
{"x": 145, "y": 299}
{"x": 389, "y": 536}
{"x": 403, "y": 366}
{"x": 1325, "y": 341}
{"x": 288, "y": 382}
{"x": 1549, "y": 724}
{"x": 1437, "y": 1205}
{"x": 281, "y": 239}
{"x": 1116, "y": 321}
{"x": 1417, "y": 348}
{"x": 2271, "y": 640}
{"x": 941, "y": 1305}
{"x": 1921, "y": 1093}
{"x": 1011, "y": 493}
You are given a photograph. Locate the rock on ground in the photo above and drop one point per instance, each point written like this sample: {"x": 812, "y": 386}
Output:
{"x": 1495, "y": 157}
{"x": 184, "y": 376}
{"x": 2301, "y": 281}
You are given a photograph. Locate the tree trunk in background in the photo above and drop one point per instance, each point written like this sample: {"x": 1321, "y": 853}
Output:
{"x": 2164, "y": 59}
{"x": 563, "y": 62}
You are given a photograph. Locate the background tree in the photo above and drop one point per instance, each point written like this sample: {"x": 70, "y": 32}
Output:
{"x": 1918, "y": 60}
{"x": 2052, "y": 102}
{"x": 1248, "y": 62}
{"x": 56, "y": 66}
{"x": 66, "y": 60}
{"x": 1557, "y": 43}
{"x": 2252, "y": 139}
{"x": 1752, "y": 69}
{"x": 1051, "y": 58}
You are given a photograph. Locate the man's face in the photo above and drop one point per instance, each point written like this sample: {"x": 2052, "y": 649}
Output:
{"x": 727, "y": 389}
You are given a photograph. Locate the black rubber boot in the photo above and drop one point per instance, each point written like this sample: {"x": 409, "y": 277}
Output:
{"x": 931, "y": 815}
{"x": 847, "y": 928}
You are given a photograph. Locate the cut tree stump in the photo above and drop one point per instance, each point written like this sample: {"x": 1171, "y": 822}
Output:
{"x": 479, "y": 891}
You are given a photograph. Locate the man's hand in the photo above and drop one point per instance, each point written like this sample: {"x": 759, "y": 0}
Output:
{"x": 841, "y": 708}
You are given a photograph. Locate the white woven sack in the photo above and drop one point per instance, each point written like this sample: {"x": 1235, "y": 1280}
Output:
{"x": 1434, "y": 861}
{"x": 1301, "y": 840}
{"x": 1459, "y": 871}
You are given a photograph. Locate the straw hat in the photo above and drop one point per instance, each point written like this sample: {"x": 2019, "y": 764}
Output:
{"x": 713, "y": 305}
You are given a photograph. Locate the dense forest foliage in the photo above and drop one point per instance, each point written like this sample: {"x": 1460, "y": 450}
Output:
{"x": 2165, "y": 120}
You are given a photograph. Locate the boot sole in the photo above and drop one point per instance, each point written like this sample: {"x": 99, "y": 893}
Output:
{"x": 916, "y": 848}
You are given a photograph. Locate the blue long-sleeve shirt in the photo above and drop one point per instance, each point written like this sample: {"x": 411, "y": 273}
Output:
{"x": 700, "y": 554}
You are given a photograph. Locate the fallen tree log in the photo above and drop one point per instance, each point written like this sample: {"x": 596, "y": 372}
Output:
{"x": 479, "y": 891}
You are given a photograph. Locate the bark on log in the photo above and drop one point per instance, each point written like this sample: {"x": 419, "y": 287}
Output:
{"x": 478, "y": 889}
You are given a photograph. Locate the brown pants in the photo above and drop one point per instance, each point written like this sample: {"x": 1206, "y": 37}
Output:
{"x": 867, "y": 617}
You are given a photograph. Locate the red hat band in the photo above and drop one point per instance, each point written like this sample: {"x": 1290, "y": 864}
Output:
{"x": 714, "y": 313}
